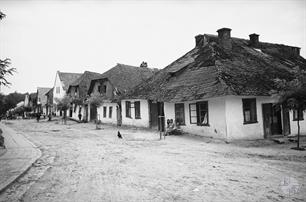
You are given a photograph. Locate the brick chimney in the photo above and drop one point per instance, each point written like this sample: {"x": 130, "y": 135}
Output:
{"x": 224, "y": 36}
{"x": 144, "y": 64}
{"x": 199, "y": 39}
{"x": 254, "y": 39}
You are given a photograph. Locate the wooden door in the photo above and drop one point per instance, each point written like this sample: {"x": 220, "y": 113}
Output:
{"x": 119, "y": 115}
{"x": 153, "y": 115}
{"x": 286, "y": 122}
{"x": 276, "y": 125}
{"x": 85, "y": 118}
{"x": 93, "y": 112}
{"x": 271, "y": 120}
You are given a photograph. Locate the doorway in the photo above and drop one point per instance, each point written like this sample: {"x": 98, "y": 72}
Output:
{"x": 272, "y": 120}
{"x": 119, "y": 115}
{"x": 157, "y": 115}
{"x": 93, "y": 112}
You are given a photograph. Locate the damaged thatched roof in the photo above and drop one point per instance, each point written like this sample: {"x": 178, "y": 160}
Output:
{"x": 209, "y": 70}
{"x": 67, "y": 78}
{"x": 125, "y": 77}
{"x": 83, "y": 82}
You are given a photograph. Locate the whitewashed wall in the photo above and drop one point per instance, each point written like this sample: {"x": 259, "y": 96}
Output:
{"x": 62, "y": 92}
{"x": 216, "y": 118}
{"x": 236, "y": 129}
{"x": 112, "y": 120}
{"x": 144, "y": 114}
{"x": 294, "y": 127}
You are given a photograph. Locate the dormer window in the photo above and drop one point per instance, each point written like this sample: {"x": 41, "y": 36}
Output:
{"x": 102, "y": 89}
{"x": 99, "y": 89}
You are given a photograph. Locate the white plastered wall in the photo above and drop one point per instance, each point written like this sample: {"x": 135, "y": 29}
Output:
{"x": 294, "y": 127}
{"x": 144, "y": 114}
{"x": 216, "y": 118}
{"x": 107, "y": 119}
{"x": 236, "y": 129}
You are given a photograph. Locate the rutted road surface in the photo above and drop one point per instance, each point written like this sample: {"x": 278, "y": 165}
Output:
{"x": 80, "y": 163}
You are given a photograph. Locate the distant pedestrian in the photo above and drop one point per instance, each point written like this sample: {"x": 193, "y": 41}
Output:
{"x": 80, "y": 117}
{"x": 37, "y": 116}
{"x": 49, "y": 116}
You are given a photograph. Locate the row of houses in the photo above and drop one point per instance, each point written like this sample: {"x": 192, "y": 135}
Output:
{"x": 221, "y": 88}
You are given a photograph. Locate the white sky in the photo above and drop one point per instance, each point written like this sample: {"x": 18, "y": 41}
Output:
{"x": 41, "y": 37}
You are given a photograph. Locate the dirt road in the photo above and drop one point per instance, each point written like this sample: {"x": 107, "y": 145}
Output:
{"x": 80, "y": 163}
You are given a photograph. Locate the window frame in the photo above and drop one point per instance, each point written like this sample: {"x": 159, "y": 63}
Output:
{"x": 137, "y": 107}
{"x": 244, "y": 109}
{"x": 104, "y": 112}
{"x": 295, "y": 118}
{"x": 190, "y": 115}
{"x": 110, "y": 112}
{"x": 176, "y": 106}
{"x": 99, "y": 89}
{"x": 104, "y": 88}
{"x": 198, "y": 104}
{"x": 128, "y": 109}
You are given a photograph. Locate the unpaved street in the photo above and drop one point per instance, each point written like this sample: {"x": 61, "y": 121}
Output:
{"x": 80, "y": 163}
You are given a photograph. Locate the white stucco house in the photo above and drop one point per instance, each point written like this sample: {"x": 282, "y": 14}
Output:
{"x": 61, "y": 84}
{"x": 110, "y": 86}
{"x": 77, "y": 90}
{"x": 221, "y": 89}
{"x": 41, "y": 100}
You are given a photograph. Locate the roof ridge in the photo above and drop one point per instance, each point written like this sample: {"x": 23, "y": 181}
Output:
{"x": 260, "y": 42}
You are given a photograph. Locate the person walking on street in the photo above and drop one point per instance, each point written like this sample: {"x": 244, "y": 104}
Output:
{"x": 80, "y": 117}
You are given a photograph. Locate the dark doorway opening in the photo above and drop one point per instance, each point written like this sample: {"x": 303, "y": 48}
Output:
{"x": 272, "y": 120}
{"x": 93, "y": 112}
{"x": 157, "y": 115}
{"x": 119, "y": 115}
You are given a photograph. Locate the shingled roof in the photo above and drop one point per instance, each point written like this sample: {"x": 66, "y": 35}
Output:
{"x": 125, "y": 77}
{"x": 210, "y": 70}
{"x": 41, "y": 93}
{"x": 67, "y": 78}
{"x": 83, "y": 82}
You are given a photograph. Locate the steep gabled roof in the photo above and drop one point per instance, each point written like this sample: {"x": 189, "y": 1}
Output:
{"x": 125, "y": 77}
{"x": 210, "y": 71}
{"x": 41, "y": 93}
{"x": 49, "y": 92}
{"x": 67, "y": 78}
{"x": 83, "y": 82}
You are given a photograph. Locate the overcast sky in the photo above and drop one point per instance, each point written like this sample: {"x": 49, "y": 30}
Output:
{"x": 41, "y": 37}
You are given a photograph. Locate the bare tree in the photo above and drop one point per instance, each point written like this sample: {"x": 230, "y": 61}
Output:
{"x": 4, "y": 66}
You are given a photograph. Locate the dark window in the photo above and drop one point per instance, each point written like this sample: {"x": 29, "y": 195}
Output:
{"x": 202, "y": 113}
{"x": 128, "y": 109}
{"x": 104, "y": 88}
{"x": 104, "y": 112}
{"x": 295, "y": 115}
{"x": 193, "y": 113}
{"x": 137, "y": 109}
{"x": 110, "y": 112}
{"x": 99, "y": 89}
{"x": 249, "y": 110}
{"x": 179, "y": 114}
{"x": 75, "y": 108}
